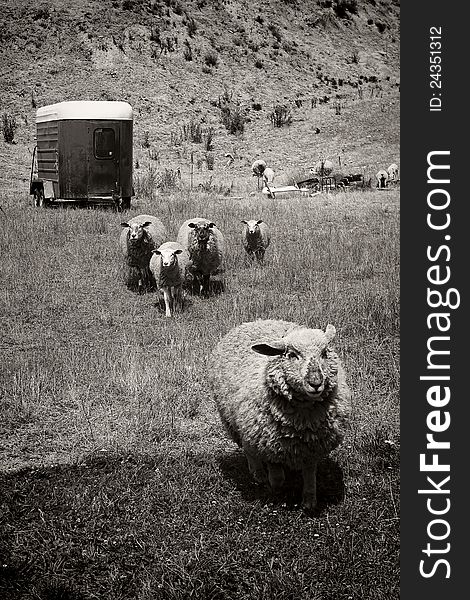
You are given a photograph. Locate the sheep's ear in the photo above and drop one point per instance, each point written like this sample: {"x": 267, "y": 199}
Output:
{"x": 260, "y": 221}
{"x": 211, "y": 225}
{"x": 270, "y": 349}
{"x": 178, "y": 251}
{"x": 156, "y": 251}
{"x": 146, "y": 224}
{"x": 330, "y": 332}
{"x": 125, "y": 225}
{"x": 192, "y": 225}
{"x": 242, "y": 221}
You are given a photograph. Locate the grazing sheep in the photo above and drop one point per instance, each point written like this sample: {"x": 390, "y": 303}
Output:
{"x": 282, "y": 396}
{"x": 255, "y": 238}
{"x": 323, "y": 168}
{"x": 382, "y": 178}
{"x": 392, "y": 172}
{"x": 168, "y": 265}
{"x": 205, "y": 244}
{"x": 258, "y": 167}
{"x": 139, "y": 236}
{"x": 268, "y": 176}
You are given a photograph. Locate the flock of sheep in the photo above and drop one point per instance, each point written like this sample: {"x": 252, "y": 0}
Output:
{"x": 324, "y": 168}
{"x": 279, "y": 387}
{"x": 386, "y": 176}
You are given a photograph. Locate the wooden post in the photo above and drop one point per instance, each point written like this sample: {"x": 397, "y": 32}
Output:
{"x": 191, "y": 172}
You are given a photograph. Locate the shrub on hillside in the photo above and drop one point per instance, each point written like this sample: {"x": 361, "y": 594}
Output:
{"x": 210, "y": 159}
{"x": 208, "y": 139}
{"x": 275, "y": 32}
{"x": 9, "y": 126}
{"x": 232, "y": 115}
{"x": 211, "y": 59}
{"x": 192, "y": 132}
{"x": 281, "y": 116}
{"x": 343, "y": 8}
{"x": 191, "y": 27}
{"x": 187, "y": 51}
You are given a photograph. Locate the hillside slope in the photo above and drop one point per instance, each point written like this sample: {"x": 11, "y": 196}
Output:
{"x": 334, "y": 64}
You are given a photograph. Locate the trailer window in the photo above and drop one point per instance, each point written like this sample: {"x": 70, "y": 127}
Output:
{"x": 104, "y": 143}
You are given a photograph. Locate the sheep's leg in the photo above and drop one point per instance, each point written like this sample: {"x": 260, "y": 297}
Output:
{"x": 255, "y": 465}
{"x": 178, "y": 298}
{"x": 309, "y": 498}
{"x": 276, "y": 476}
{"x": 167, "y": 297}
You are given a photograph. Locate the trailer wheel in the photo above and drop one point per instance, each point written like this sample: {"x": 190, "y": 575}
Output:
{"x": 125, "y": 203}
{"x": 39, "y": 200}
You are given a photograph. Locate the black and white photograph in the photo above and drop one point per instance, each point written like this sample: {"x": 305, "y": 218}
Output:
{"x": 200, "y": 300}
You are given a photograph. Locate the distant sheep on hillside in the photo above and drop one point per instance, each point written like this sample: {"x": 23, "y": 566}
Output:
{"x": 393, "y": 172}
{"x": 322, "y": 168}
{"x": 382, "y": 178}
{"x": 268, "y": 176}
{"x": 258, "y": 168}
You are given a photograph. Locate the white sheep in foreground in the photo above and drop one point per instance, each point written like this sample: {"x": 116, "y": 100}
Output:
{"x": 168, "y": 265}
{"x": 282, "y": 397}
{"x": 392, "y": 172}
{"x": 382, "y": 178}
{"x": 255, "y": 238}
{"x": 205, "y": 244}
{"x": 139, "y": 237}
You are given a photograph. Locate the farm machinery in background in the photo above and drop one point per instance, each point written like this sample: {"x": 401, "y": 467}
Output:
{"x": 322, "y": 180}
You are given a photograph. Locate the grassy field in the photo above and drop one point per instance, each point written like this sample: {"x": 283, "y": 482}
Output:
{"x": 117, "y": 480}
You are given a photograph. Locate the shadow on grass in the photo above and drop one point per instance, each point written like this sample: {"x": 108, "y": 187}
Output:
{"x": 330, "y": 483}
{"x": 116, "y": 524}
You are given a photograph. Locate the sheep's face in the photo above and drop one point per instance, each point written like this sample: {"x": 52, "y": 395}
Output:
{"x": 305, "y": 368}
{"x": 136, "y": 231}
{"x": 252, "y": 227}
{"x": 258, "y": 168}
{"x": 168, "y": 257}
{"x": 202, "y": 232}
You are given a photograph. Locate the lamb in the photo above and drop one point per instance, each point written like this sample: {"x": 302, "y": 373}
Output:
{"x": 205, "y": 244}
{"x": 139, "y": 236}
{"x": 382, "y": 178}
{"x": 255, "y": 238}
{"x": 392, "y": 172}
{"x": 168, "y": 266}
{"x": 282, "y": 396}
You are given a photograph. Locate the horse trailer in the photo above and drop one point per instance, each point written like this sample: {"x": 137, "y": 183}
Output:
{"x": 83, "y": 154}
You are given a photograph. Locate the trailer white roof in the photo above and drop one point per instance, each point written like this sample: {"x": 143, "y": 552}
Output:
{"x": 85, "y": 109}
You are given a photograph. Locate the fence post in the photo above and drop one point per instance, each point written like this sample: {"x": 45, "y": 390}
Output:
{"x": 191, "y": 172}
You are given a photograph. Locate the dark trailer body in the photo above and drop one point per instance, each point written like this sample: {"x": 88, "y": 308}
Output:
{"x": 83, "y": 153}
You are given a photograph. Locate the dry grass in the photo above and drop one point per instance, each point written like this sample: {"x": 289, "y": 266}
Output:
{"x": 107, "y": 414}
{"x": 116, "y": 478}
